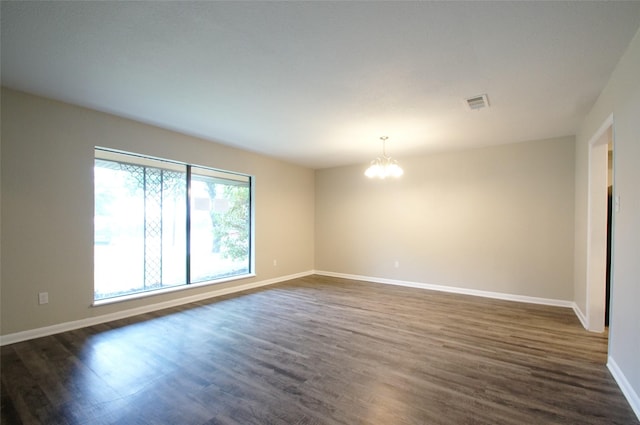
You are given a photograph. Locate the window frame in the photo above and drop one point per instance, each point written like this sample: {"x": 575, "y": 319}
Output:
{"x": 137, "y": 159}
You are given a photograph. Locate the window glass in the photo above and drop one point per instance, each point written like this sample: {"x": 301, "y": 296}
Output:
{"x": 220, "y": 226}
{"x": 142, "y": 224}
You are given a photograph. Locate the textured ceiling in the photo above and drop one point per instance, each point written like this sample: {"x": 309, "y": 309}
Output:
{"x": 317, "y": 83}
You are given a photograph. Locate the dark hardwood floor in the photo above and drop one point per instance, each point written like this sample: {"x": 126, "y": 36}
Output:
{"x": 320, "y": 350}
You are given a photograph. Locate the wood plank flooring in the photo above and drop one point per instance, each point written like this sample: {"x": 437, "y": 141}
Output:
{"x": 320, "y": 350}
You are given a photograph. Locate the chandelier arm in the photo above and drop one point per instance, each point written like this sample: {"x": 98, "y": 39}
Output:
{"x": 385, "y": 166}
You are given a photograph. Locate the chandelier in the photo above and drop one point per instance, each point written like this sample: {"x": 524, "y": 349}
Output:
{"x": 383, "y": 167}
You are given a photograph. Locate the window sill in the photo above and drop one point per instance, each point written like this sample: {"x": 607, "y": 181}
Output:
{"x": 170, "y": 289}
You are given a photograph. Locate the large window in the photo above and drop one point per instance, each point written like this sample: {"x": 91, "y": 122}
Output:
{"x": 161, "y": 224}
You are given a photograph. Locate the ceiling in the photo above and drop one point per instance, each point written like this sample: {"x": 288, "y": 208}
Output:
{"x": 317, "y": 83}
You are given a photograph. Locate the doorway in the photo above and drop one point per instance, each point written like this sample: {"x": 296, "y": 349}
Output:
{"x": 607, "y": 300}
{"x": 598, "y": 268}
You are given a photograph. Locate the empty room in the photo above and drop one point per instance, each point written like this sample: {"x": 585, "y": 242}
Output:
{"x": 320, "y": 212}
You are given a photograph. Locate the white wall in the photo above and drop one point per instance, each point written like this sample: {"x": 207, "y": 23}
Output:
{"x": 621, "y": 97}
{"x": 47, "y": 207}
{"x": 496, "y": 219}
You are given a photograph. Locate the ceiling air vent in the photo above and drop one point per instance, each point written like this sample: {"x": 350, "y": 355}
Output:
{"x": 478, "y": 102}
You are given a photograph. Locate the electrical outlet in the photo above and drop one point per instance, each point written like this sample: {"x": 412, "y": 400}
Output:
{"x": 275, "y": 263}
{"x": 396, "y": 264}
{"x": 43, "y": 298}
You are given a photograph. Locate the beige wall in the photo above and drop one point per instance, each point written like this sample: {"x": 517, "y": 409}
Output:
{"x": 495, "y": 219}
{"x": 621, "y": 97}
{"x": 47, "y": 206}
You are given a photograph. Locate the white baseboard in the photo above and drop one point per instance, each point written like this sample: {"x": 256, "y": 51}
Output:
{"x": 454, "y": 289}
{"x": 90, "y": 321}
{"x": 632, "y": 397}
{"x": 581, "y": 316}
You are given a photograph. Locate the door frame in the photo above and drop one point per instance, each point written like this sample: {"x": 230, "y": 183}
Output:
{"x": 597, "y": 225}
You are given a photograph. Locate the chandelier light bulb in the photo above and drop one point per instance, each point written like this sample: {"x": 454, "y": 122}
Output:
{"x": 385, "y": 166}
